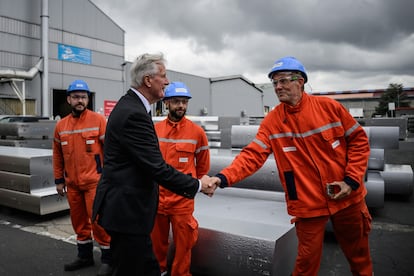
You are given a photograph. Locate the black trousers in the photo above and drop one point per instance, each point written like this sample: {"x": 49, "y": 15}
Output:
{"x": 132, "y": 255}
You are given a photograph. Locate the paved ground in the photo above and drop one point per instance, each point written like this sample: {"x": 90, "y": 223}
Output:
{"x": 40, "y": 245}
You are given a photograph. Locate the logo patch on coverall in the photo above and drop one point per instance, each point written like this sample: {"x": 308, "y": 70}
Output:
{"x": 183, "y": 159}
{"x": 287, "y": 149}
{"x": 335, "y": 144}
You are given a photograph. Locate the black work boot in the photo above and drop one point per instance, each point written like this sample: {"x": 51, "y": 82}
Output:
{"x": 105, "y": 270}
{"x": 106, "y": 260}
{"x": 84, "y": 259}
{"x": 78, "y": 264}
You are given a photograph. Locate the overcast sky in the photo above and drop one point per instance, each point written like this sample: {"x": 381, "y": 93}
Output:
{"x": 344, "y": 45}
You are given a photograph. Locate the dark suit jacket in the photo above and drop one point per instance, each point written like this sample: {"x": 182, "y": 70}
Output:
{"x": 126, "y": 199}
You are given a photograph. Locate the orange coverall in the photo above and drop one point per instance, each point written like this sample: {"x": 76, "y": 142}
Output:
{"x": 184, "y": 146}
{"x": 315, "y": 143}
{"x": 77, "y": 162}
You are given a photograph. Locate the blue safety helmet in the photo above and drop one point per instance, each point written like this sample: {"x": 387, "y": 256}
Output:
{"x": 288, "y": 64}
{"x": 78, "y": 85}
{"x": 177, "y": 89}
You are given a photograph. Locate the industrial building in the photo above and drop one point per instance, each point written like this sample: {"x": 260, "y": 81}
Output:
{"x": 47, "y": 44}
{"x": 366, "y": 100}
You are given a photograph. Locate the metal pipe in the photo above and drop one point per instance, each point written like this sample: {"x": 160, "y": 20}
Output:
{"x": 398, "y": 179}
{"x": 375, "y": 186}
{"x": 383, "y": 137}
{"x": 376, "y": 160}
{"x": 379, "y": 137}
{"x": 26, "y": 75}
{"x": 266, "y": 178}
{"x": 45, "y": 107}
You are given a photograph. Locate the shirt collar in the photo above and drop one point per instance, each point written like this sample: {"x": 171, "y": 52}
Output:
{"x": 143, "y": 99}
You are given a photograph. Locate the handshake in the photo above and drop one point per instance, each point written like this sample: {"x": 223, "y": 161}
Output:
{"x": 209, "y": 184}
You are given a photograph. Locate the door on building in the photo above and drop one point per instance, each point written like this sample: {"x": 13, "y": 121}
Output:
{"x": 61, "y": 107}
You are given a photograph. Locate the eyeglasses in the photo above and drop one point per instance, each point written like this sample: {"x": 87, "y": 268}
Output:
{"x": 177, "y": 101}
{"x": 79, "y": 97}
{"x": 284, "y": 81}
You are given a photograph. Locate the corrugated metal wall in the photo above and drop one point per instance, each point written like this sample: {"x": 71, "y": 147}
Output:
{"x": 78, "y": 23}
{"x": 14, "y": 106}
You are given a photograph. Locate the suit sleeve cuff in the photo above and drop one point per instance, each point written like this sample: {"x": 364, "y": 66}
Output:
{"x": 59, "y": 181}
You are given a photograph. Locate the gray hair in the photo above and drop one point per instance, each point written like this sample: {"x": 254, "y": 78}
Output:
{"x": 145, "y": 65}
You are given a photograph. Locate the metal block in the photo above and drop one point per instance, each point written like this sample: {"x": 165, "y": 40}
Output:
{"x": 43, "y": 129}
{"x": 26, "y": 160}
{"x": 376, "y": 159}
{"x": 24, "y": 182}
{"x": 375, "y": 186}
{"x": 266, "y": 178}
{"x": 227, "y": 122}
{"x": 243, "y": 135}
{"x": 243, "y": 232}
{"x": 42, "y": 202}
{"x": 399, "y": 122}
{"x": 213, "y": 144}
{"x": 382, "y": 137}
{"x": 398, "y": 179}
{"x": 208, "y": 123}
{"x": 32, "y": 143}
{"x": 213, "y": 135}
{"x": 225, "y": 138}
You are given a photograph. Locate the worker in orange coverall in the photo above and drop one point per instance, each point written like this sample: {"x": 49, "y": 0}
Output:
{"x": 184, "y": 146}
{"x": 322, "y": 155}
{"x": 77, "y": 167}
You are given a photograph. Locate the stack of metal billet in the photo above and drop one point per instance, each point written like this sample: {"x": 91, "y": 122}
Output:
{"x": 28, "y": 134}
{"x": 380, "y": 178}
{"x": 400, "y": 122}
{"x": 27, "y": 181}
{"x": 396, "y": 179}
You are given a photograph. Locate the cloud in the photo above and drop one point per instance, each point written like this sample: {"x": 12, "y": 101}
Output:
{"x": 344, "y": 45}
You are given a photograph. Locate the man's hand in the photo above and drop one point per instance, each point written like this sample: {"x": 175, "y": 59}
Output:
{"x": 209, "y": 185}
{"x": 341, "y": 190}
{"x": 216, "y": 180}
{"x": 61, "y": 189}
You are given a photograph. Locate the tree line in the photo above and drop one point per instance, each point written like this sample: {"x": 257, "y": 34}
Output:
{"x": 394, "y": 94}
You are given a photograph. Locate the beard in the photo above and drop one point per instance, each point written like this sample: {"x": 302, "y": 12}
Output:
{"x": 77, "y": 112}
{"x": 177, "y": 114}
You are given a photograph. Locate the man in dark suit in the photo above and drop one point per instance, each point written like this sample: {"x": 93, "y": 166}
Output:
{"x": 127, "y": 195}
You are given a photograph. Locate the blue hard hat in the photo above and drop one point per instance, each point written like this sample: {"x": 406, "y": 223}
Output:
{"x": 288, "y": 64}
{"x": 78, "y": 85}
{"x": 177, "y": 89}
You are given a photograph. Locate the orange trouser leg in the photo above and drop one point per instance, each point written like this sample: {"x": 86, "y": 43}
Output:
{"x": 351, "y": 227}
{"x": 79, "y": 214}
{"x": 160, "y": 235}
{"x": 310, "y": 233}
{"x": 99, "y": 234}
{"x": 185, "y": 234}
{"x": 80, "y": 204}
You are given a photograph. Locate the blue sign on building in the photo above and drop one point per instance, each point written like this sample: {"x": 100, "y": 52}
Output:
{"x": 74, "y": 54}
